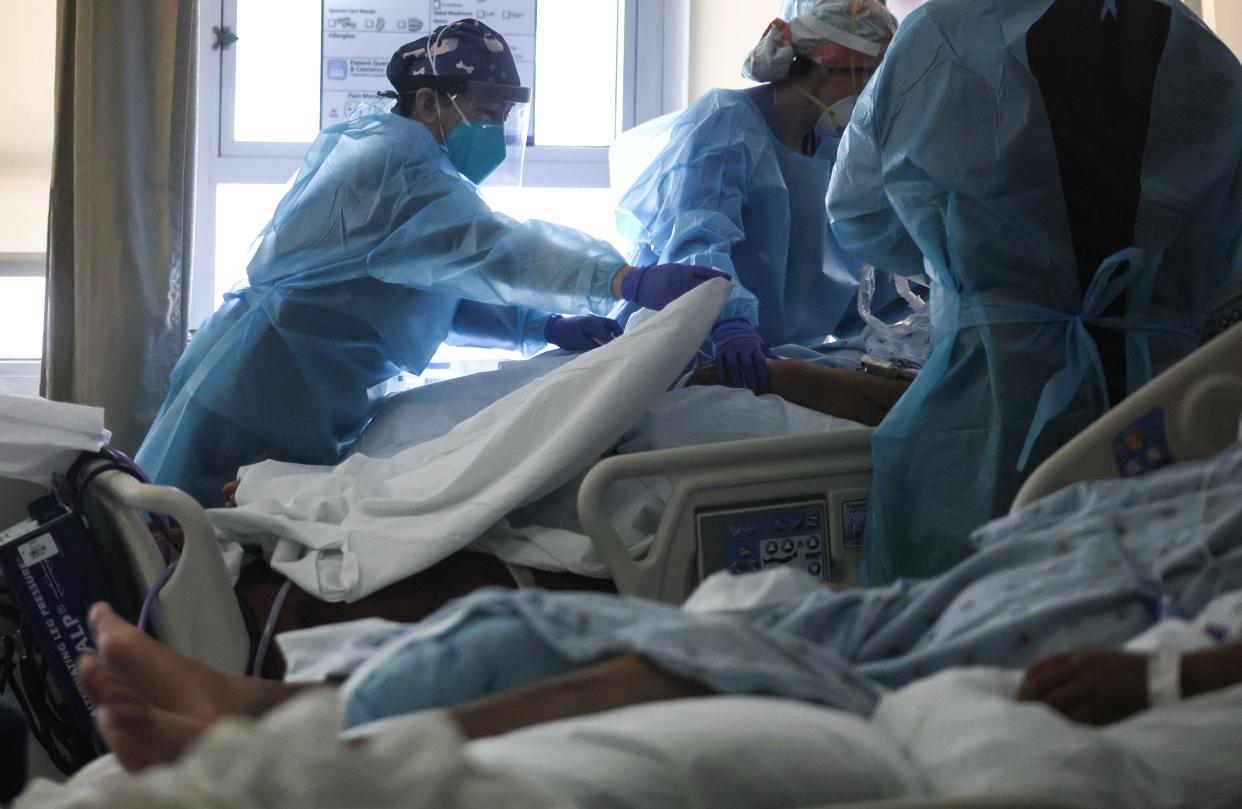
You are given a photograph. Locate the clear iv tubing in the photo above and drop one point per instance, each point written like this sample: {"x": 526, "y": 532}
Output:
{"x": 269, "y": 629}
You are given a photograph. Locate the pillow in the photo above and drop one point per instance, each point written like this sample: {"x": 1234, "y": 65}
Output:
{"x": 968, "y": 736}
{"x": 720, "y": 752}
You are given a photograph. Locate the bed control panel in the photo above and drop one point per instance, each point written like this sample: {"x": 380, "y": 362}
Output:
{"x": 745, "y": 539}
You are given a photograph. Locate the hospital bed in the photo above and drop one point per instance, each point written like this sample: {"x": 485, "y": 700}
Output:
{"x": 193, "y": 608}
{"x": 745, "y": 505}
{"x": 798, "y": 500}
{"x": 801, "y": 500}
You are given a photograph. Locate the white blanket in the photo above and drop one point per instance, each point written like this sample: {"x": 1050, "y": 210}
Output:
{"x": 342, "y": 533}
{"x": 40, "y": 437}
{"x": 546, "y": 533}
{"x": 955, "y": 734}
{"x": 958, "y": 733}
{"x": 964, "y": 732}
{"x": 414, "y": 762}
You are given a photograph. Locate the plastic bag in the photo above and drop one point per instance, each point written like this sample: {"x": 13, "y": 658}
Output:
{"x": 908, "y": 340}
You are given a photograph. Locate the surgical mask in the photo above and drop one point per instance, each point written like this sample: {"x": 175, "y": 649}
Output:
{"x": 834, "y": 119}
{"x": 475, "y": 148}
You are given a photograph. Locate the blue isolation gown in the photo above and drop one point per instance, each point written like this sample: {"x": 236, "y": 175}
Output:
{"x": 378, "y": 253}
{"x": 950, "y": 167}
{"x": 726, "y": 193}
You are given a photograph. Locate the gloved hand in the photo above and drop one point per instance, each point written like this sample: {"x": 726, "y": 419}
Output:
{"x": 659, "y": 285}
{"x": 740, "y": 357}
{"x": 581, "y": 333}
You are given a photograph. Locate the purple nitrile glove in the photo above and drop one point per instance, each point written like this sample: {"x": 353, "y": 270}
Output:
{"x": 740, "y": 357}
{"x": 580, "y": 333}
{"x": 657, "y": 286}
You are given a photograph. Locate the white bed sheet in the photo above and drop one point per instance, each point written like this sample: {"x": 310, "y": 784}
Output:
{"x": 414, "y": 762}
{"x": 722, "y": 752}
{"x": 962, "y": 730}
{"x": 343, "y": 532}
{"x": 454, "y": 464}
{"x": 954, "y": 735}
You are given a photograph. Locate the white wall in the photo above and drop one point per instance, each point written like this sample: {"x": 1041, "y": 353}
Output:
{"x": 27, "y": 61}
{"x": 1225, "y": 18}
{"x": 722, "y": 32}
{"x": 23, "y": 206}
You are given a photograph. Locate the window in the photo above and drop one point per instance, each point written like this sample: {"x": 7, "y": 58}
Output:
{"x": 21, "y": 320}
{"x": 599, "y": 66}
{"x": 25, "y": 178}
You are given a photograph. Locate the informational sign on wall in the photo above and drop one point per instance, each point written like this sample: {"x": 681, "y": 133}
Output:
{"x": 359, "y": 40}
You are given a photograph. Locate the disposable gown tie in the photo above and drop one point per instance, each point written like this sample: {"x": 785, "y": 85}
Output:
{"x": 1082, "y": 357}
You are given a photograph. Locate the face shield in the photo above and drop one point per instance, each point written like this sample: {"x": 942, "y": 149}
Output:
{"x": 495, "y": 121}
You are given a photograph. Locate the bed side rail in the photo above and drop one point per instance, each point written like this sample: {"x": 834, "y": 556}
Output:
{"x": 833, "y": 466}
{"x": 1189, "y": 412}
{"x": 196, "y": 612}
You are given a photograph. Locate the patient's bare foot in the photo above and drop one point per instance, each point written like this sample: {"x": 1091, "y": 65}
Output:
{"x": 163, "y": 679}
{"x": 140, "y": 735}
{"x": 230, "y": 493}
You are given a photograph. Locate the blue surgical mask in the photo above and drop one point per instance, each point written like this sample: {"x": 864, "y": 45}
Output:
{"x": 476, "y": 148}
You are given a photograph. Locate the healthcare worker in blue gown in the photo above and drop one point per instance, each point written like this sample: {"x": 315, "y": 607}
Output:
{"x": 381, "y": 250}
{"x": 742, "y": 184}
{"x": 1069, "y": 175}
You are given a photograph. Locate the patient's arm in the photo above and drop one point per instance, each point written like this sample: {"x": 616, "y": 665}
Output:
{"x": 628, "y": 680}
{"x": 1211, "y": 669}
{"x": 1100, "y": 686}
{"x": 846, "y": 394}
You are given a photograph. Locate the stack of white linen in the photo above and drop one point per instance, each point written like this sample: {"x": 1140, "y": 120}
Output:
{"x": 39, "y": 437}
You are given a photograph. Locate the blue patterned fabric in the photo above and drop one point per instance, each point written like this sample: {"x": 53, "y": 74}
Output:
{"x": 465, "y": 48}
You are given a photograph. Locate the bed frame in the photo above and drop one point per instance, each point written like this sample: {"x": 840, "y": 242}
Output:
{"x": 196, "y": 612}
{"x": 1197, "y": 404}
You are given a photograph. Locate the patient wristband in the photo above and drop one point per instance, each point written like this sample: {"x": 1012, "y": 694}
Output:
{"x": 1164, "y": 677}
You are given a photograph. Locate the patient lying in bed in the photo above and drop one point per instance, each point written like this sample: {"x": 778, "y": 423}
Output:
{"x": 1047, "y": 581}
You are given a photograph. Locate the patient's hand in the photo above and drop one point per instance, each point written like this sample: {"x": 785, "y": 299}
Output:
{"x": 230, "y": 493}
{"x": 1093, "y": 685}
{"x": 705, "y": 374}
{"x": 846, "y": 394}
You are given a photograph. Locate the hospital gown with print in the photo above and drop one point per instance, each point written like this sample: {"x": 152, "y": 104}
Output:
{"x": 1063, "y": 573}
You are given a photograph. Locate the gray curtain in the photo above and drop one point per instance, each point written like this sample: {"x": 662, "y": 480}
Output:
{"x": 121, "y": 214}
